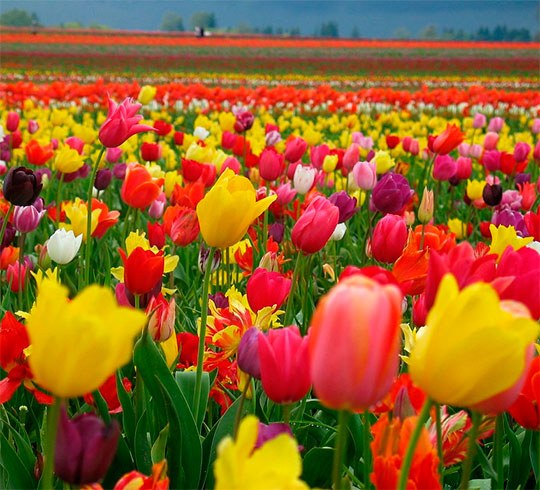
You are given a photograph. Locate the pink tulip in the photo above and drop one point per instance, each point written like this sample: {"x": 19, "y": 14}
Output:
{"x": 122, "y": 122}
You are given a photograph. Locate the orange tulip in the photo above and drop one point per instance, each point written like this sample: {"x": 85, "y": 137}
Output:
{"x": 139, "y": 189}
{"x": 37, "y": 154}
{"x": 354, "y": 343}
{"x": 448, "y": 140}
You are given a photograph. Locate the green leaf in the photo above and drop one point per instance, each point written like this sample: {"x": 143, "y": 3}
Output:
{"x": 142, "y": 446}
{"x": 484, "y": 484}
{"x": 19, "y": 476}
{"x": 534, "y": 449}
{"x": 158, "y": 448}
{"x": 514, "y": 471}
{"x": 186, "y": 381}
{"x": 166, "y": 395}
{"x": 317, "y": 467}
{"x": 128, "y": 413}
{"x": 225, "y": 427}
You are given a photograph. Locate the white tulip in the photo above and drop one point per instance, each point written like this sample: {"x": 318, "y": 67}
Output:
{"x": 63, "y": 246}
{"x": 303, "y": 178}
{"x": 201, "y": 133}
{"x": 339, "y": 232}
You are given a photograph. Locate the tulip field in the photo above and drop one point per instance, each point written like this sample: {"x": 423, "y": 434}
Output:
{"x": 262, "y": 263}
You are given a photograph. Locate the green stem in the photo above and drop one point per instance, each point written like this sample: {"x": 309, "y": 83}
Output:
{"x": 22, "y": 275}
{"x": 202, "y": 331}
{"x": 366, "y": 450}
{"x": 58, "y": 203}
{"x": 438, "y": 428}
{"x": 238, "y": 416}
{"x": 471, "y": 451}
{"x": 498, "y": 451}
{"x": 89, "y": 218}
{"x": 5, "y": 222}
{"x": 341, "y": 440}
{"x": 53, "y": 413}
{"x": 294, "y": 287}
{"x": 286, "y": 411}
{"x": 407, "y": 461}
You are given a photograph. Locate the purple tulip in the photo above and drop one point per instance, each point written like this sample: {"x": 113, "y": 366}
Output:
{"x": 276, "y": 231}
{"x": 85, "y": 448}
{"x": 103, "y": 179}
{"x": 21, "y": 186}
{"x": 346, "y": 205}
{"x": 391, "y": 193}
{"x": 507, "y": 217}
{"x": 444, "y": 167}
{"x": 271, "y": 431}
{"x": 248, "y": 353}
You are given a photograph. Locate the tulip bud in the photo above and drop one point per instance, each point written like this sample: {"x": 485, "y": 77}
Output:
{"x": 492, "y": 194}
{"x": 248, "y": 353}
{"x": 365, "y": 175}
{"x": 271, "y": 164}
{"x": 444, "y": 168}
{"x": 425, "y": 211}
{"x": 479, "y": 121}
{"x": 272, "y": 138}
{"x": 112, "y": 155}
{"x": 285, "y": 366}
{"x": 265, "y": 288}
{"x": 103, "y": 179}
{"x": 162, "y": 316}
{"x": 146, "y": 94}
{"x": 304, "y": 178}
{"x": 178, "y": 138}
{"x": 475, "y": 151}
{"x": 63, "y": 246}
{"x": 16, "y": 274}
{"x": 12, "y": 121}
{"x": 389, "y": 238}
{"x": 33, "y": 126}
{"x": 119, "y": 171}
{"x": 295, "y": 149}
{"x": 346, "y": 205}
{"x": 151, "y": 152}
{"x": 496, "y": 124}
{"x": 201, "y": 133}
{"x": 521, "y": 152}
{"x": 276, "y": 231}
{"x": 339, "y": 232}
{"x": 490, "y": 141}
{"x": 20, "y": 186}
{"x": 464, "y": 149}
{"x": 85, "y": 448}
{"x": 535, "y": 128}
{"x": 27, "y": 218}
{"x": 204, "y": 259}
{"x": 391, "y": 193}
{"x": 244, "y": 120}
{"x": 351, "y": 157}
{"x": 157, "y": 207}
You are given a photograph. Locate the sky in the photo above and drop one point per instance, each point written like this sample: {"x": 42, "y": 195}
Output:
{"x": 373, "y": 19}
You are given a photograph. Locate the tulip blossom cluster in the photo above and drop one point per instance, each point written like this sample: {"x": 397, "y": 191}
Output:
{"x": 212, "y": 292}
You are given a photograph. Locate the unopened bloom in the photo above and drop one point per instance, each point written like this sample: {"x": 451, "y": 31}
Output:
{"x": 85, "y": 448}
{"x": 425, "y": 211}
{"x": 265, "y": 288}
{"x": 315, "y": 227}
{"x": 295, "y": 149}
{"x": 27, "y": 218}
{"x": 21, "y": 186}
{"x": 68, "y": 160}
{"x": 63, "y": 246}
{"x": 122, "y": 122}
{"x": 228, "y": 209}
{"x": 162, "y": 315}
{"x": 146, "y": 94}
{"x": 348, "y": 374}
{"x": 142, "y": 269}
{"x": 77, "y": 335}
{"x": 139, "y": 189}
{"x": 365, "y": 175}
{"x": 391, "y": 193}
{"x": 303, "y": 179}
{"x": 284, "y": 362}
{"x": 389, "y": 238}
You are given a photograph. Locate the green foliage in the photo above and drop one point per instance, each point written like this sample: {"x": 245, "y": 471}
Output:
{"x": 19, "y": 18}
{"x": 206, "y": 20}
{"x": 329, "y": 29}
{"x": 172, "y": 22}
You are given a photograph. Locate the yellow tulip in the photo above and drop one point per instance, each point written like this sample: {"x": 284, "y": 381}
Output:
{"x": 146, "y": 94}
{"x": 78, "y": 344}
{"x": 330, "y": 163}
{"x": 276, "y": 464}
{"x": 228, "y": 209}
{"x": 506, "y": 236}
{"x": 473, "y": 346}
{"x": 68, "y": 160}
{"x": 383, "y": 161}
{"x": 475, "y": 188}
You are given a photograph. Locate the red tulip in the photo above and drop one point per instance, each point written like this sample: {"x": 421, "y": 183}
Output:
{"x": 12, "y": 121}
{"x": 526, "y": 409}
{"x": 354, "y": 343}
{"x": 315, "y": 227}
{"x": 151, "y": 152}
{"x": 448, "y": 140}
{"x": 181, "y": 224}
{"x": 271, "y": 164}
{"x": 37, "y": 154}
{"x": 139, "y": 189}
{"x": 284, "y": 360}
{"x": 142, "y": 270}
{"x": 389, "y": 238}
{"x": 265, "y": 288}
{"x": 295, "y": 149}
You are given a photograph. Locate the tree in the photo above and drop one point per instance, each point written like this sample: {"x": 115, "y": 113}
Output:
{"x": 355, "y": 34}
{"x": 19, "y": 18}
{"x": 172, "y": 22}
{"x": 206, "y": 20}
{"x": 402, "y": 33}
{"x": 428, "y": 32}
{"x": 329, "y": 29}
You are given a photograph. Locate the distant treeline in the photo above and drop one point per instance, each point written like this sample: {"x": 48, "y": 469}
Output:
{"x": 206, "y": 21}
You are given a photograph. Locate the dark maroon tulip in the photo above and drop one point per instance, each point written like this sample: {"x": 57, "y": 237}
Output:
{"x": 346, "y": 205}
{"x": 276, "y": 231}
{"x": 244, "y": 121}
{"x": 119, "y": 171}
{"x": 103, "y": 179}
{"x": 21, "y": 187}
{"x": 248, "y": 353}
{"x": 492, "y": 194}
{"x": 85, "y": 448}
{"x": 391, "y": 193}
